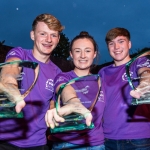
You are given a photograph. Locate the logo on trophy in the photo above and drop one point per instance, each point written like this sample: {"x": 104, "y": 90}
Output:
{"x": 17, "y": 78}
{"x": 141, "y": 80}
{"x": 86, "y": 90}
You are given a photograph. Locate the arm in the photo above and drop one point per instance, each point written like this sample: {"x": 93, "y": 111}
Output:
{"x": 144, "y": 85}
{"x": 71, "y": 105}
{"x": 8, "y": 84}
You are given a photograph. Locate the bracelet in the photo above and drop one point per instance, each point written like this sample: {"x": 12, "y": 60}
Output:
{"x": 70, "y": 99}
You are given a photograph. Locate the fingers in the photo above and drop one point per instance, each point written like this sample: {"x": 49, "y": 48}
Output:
{"x": 76, "y": 108}
{"x": 21, "y": 104}
{"x": 88, "y": 117}
{"x": 135, "y": 93}
{"x": 52, "y": 119}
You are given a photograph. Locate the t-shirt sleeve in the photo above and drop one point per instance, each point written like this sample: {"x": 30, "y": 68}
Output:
{"x": 59, "y": 79}
{"x": 142, "y": 62}
{"x": 15, "y": 52}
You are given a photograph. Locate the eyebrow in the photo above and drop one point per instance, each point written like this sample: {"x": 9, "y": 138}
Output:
{"x": 85, "y": 48}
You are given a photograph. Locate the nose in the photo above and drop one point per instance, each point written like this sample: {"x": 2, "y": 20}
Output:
{"x": 82, "y": 54}
{"x": 48, "y": 38}
{"x": 116, "y": 45}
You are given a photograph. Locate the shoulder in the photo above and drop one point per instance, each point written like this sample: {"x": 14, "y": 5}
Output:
{"x": 62, "y": 78}
{"x": 143, "y": 61}
{"x": 18, "y": 52}
{"x": 104, "y": 69}
{"x": 64, "y": 75}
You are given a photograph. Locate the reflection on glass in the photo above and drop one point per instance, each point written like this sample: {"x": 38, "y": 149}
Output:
{"x": 25, "y": 74}
{"x": 140, "y": 81}
{"x": 86, "y": 89}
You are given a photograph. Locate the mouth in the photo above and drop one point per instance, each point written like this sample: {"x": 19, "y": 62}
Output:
{"x": 117, "y": 52}
{"x": 82, "y": 61}
{"x": 47, "y": 45}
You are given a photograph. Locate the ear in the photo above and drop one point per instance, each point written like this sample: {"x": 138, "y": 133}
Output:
{"x": 95, "y": 54}
{"x": 71, "y": 54}
{"x": 130, "y": 44}
{"x": 32, "y": 35}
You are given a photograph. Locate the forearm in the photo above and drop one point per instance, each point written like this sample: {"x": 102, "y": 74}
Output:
{"x": 8, "y": 81}
{"x": 52, "y": 104}
{"x": 10, "y": 72}
{"x": 144, "y": 74}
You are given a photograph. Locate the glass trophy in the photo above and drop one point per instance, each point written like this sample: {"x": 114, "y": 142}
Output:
{"x": 143, "y": 78}
{"x": 86, "y": 89}
{"x": 25, "y": 73}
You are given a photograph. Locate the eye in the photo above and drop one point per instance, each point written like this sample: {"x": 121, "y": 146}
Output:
{"x": 88, "y": 50}
{"x": 110, "y": 44}
{"x": 42, "y": 33}
{"x": 54, "y": 35}
{"x": 77, "y": 50}
{"x": 121, "y": 41}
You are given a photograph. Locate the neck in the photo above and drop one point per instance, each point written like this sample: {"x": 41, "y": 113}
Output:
{"x": 80, "y": 73}
{"x": 40, "y": 57}
{"x": 121, "y": 62}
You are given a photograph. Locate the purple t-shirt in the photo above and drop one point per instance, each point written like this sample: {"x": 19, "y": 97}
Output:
{"x": 85, "y": 94}
{"x": 30, "y": 130}
{"x": 121, "y": 119}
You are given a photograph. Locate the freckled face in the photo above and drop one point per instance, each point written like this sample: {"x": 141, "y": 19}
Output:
{"x": 119, "y": 49}
{"x": 45, "y": 39}
{"x": 83, "y": 54}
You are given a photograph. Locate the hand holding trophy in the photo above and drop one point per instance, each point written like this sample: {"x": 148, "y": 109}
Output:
{"x": 79, "y": 96}
{"x": 140, "y": 83}
{"x": 12, "y": 77}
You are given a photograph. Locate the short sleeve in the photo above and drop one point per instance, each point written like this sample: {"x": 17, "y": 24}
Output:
{"x": 15, "y": 52}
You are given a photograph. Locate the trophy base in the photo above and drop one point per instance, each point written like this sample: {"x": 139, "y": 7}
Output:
{"x": 11, "y": 115}
{"x": 68, "y": 128}
{"x": 9, "y": 112}
{"x": 140, "y": 101}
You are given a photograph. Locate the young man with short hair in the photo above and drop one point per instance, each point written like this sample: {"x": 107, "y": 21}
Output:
{"x": 30, "y": 131}
{"x": 125, "y": 126}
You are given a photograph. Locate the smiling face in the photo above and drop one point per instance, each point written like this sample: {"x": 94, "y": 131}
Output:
{"x": 119, "y": 50}
{"x": 83, "y": 54}
{"x": 45, "y": 40}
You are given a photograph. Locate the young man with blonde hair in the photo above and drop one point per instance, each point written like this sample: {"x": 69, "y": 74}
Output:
{"x": 30, "y": 131}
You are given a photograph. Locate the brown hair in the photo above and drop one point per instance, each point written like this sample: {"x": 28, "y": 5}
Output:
{"x": 52, "y": 22}
{"x": 82, "y": 35}
{"x": 113, "y": 33}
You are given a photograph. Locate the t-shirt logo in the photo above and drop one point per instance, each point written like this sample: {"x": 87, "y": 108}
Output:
{"x": 145, "y": 64}
{"x": 101, "y": 96}
{"x": 84, "y": 90}
{"x": 124, "y": 76}
{"x": 49, "y": 85}
{"x": 60, "y": 79}
{"x": 11, "y": 53}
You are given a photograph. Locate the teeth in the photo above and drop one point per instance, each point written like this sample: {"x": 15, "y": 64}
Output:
{"x": 47, "y": 45}
{"x": 117, "y": 52}
{"x": 82, "y": 60}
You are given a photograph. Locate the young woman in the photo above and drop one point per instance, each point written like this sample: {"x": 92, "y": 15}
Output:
{"x": 83, "y": 50}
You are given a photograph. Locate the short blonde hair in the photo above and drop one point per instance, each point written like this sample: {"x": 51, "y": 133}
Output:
{"x": 52, "y": 22}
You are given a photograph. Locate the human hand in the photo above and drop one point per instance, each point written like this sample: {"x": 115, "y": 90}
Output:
{"x": 76, "y": 107}
{"x": 52, "y": 118}
{"x": 13, "y": 94}
{"x": 141, "y": 90}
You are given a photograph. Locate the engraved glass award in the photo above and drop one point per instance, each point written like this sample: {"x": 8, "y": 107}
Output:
{"x": 141, "y": 79}
{"x": 86, "y": 89}
{"x": 25, "y": 74}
